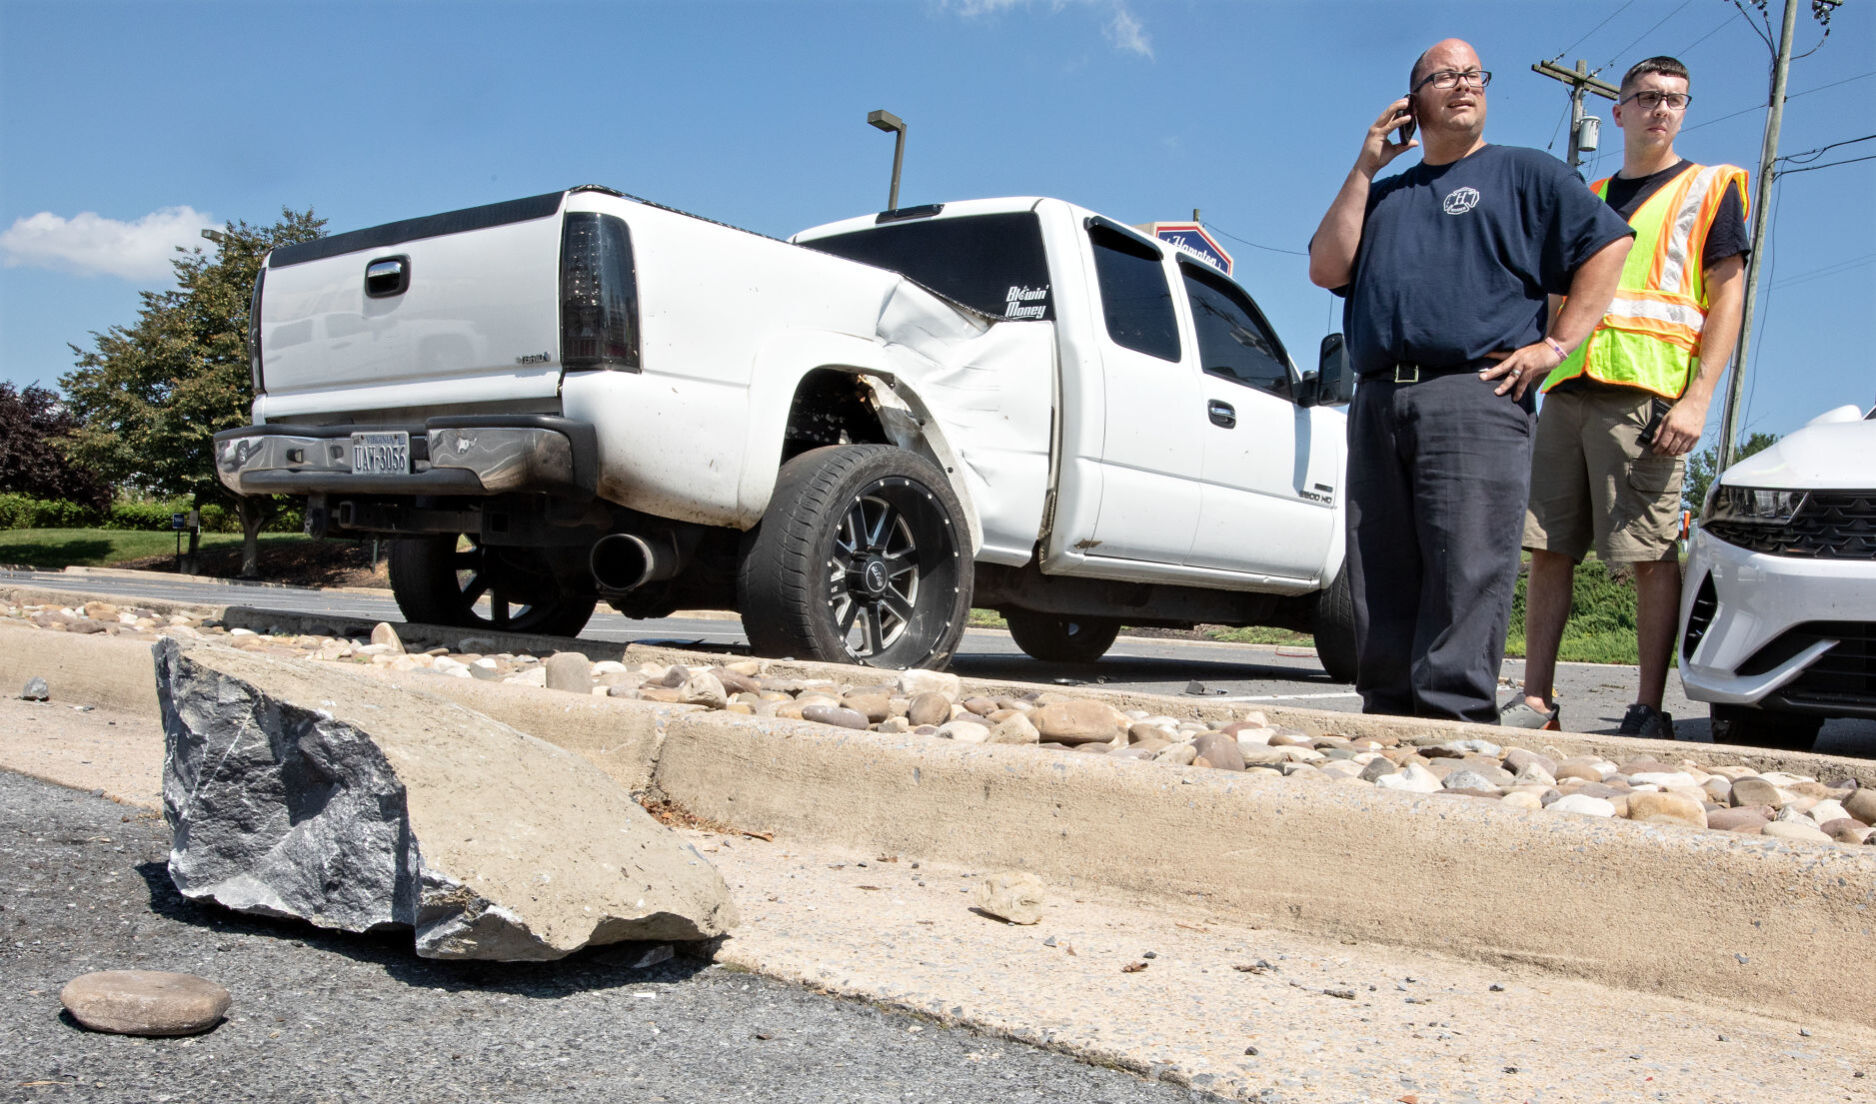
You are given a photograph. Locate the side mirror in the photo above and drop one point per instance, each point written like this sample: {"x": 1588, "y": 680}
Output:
{"x": 1335, "y": 379}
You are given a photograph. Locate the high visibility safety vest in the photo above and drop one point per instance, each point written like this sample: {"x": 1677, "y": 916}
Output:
{"x": 1650, "y": 337}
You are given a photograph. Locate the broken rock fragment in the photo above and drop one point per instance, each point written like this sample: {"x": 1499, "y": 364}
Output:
{"x": 328, "y": 796}
{"x": 1015, "y": 896}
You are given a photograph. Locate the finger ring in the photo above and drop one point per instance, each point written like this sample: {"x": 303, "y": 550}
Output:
{"x": 1516, "y": 372}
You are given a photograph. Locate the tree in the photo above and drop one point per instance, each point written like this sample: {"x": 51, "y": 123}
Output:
{"x": 33, "y": 427}
{"x": 1700, "y": 465}
{"x": 151, "y": 397}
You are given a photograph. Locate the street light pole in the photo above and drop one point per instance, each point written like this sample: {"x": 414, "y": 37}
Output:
{"x": 886, "y": 120}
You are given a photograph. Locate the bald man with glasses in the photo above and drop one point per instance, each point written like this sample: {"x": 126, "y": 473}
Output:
{"x": 1447, "y": 269}
{"x": 1623, "y": 411}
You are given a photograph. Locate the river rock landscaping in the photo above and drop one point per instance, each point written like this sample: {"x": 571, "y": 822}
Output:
{"x": 1705, "y": 793}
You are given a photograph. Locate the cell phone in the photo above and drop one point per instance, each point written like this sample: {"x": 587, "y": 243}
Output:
{"x": 1405, "y": 132}
{"x": 1657, "y": 410}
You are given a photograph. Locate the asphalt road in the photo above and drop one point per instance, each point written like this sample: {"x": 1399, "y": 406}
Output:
{"x": 322, "y": 1017}
{"x": 1594, "y": 696}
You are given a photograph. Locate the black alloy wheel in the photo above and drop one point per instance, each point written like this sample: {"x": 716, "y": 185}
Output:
{"x": 440, "y": 579}
{"x": 861, "y": 558}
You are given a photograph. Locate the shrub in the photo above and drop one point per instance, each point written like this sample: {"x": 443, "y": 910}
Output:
{"x": 22, "y": 511}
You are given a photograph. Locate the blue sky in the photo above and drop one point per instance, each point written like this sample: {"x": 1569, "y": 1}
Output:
{"x": 124, "y": 128}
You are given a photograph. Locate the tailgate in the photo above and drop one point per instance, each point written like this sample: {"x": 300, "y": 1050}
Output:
{"x": 456, "y": 307}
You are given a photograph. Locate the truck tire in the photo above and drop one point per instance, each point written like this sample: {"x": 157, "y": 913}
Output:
{"x": 437, "y": 580}
{"x": 862, "y": 557}
{"x": 1060, "y": 639}
{"x": 1335, "y": 628}
{"x": 1742, "y": 724}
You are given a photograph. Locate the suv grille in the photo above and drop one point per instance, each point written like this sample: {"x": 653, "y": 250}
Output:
{"x": 1831, "y": 525}
{"x": 1843, "y": 676}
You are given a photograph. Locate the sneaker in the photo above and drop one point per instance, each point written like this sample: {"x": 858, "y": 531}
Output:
{"x": 1519, "y": 714}
{"x": 1646, "y": 721}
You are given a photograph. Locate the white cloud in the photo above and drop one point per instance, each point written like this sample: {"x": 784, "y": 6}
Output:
{"x": 91, "y": 245}
{"x": 1126, "y": 32}
{"x": 1123, "y": 29}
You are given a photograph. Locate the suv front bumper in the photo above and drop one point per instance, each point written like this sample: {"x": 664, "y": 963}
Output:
{"x": 1785, "y": 632}
{"x": 449, "y": 456}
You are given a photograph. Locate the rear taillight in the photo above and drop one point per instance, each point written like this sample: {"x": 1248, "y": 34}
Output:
{"x": 254, "y": 328}
{"x": 598, "y": 294}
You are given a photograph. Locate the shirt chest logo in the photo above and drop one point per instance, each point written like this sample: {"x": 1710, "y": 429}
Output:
{"x": 1461, "y": 200}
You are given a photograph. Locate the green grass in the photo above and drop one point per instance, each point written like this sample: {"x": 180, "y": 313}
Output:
{"x": 50, "y": 549}
{"x": 1601, "y": 628}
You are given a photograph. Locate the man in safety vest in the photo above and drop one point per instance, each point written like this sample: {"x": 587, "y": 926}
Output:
{"x": 1622, "y": 410}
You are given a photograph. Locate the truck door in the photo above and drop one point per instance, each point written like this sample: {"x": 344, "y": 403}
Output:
{"x": 1261, "y": 509}
{"x": 1150, "y": 454}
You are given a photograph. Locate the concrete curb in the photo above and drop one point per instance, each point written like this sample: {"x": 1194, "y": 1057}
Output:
{"x": 1750, "y": 922}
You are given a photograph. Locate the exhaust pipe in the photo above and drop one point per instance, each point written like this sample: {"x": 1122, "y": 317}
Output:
{"x": 623, "y": 562}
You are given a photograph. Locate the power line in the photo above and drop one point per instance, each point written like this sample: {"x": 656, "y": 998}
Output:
{"x": 1827, "y": 165}
{"x": 1790, "y": 97}
{"x": 1644, "y": 35}
{"x": 1827, "y": 270}
{"x": 1591, "y": 31}
{"x": 1814, "y": 153}
{"x": 1687, "y": 49}
{"x": 1252, "y": 244}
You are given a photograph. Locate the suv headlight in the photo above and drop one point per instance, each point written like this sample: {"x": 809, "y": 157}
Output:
{"x": 1751, "y": 505}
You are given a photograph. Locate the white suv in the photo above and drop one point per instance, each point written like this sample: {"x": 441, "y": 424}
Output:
{"x": 1778, "y": 610}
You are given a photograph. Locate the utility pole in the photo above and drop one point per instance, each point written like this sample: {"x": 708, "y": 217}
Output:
{"x": 1768, "y": 154}
{"x": 1582, "y": 137}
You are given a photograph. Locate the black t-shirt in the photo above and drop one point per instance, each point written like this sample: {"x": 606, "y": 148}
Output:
{"x": 1727, "y": 237}
{"x": 1458, "y": 260}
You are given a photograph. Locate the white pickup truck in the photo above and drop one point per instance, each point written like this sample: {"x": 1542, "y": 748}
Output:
{"x": 851, "y": 437}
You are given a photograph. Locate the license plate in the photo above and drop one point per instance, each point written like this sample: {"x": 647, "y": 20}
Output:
{"x": 381, "y": 453}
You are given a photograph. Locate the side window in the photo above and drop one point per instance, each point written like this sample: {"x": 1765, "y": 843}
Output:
{"x": 1134, "y": 294}
{"x": 1234, "y": 340}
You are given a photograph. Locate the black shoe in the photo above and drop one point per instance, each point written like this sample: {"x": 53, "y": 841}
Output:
{"x": 1646, "y": 721}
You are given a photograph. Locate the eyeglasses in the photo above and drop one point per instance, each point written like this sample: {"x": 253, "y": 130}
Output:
{"x": 1676, "y": 101}
{"x": 1448, "y": 78}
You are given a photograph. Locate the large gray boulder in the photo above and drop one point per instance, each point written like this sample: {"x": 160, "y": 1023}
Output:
{"x": 298, "y": 789}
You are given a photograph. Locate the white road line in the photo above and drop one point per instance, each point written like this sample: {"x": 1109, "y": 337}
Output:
{"x": 1284, "y": 697}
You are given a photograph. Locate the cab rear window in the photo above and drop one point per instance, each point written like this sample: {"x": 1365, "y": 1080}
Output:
{"x": 992, "y": 263}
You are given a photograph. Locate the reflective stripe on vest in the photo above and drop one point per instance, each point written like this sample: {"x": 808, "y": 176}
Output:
{"x": 1650, "y": 335}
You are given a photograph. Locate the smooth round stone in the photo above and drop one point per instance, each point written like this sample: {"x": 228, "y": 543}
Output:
{"x": 702, "y": 688}
{"x": 1794, "y": 830}
{"x": 983, "y": 707}
{"x": 1413, "y": 778}
{"x": 874, "y": 707}
{"x": 145, "y": 1002}
{"x": 1667, "y": 780}
{"x": 1376, "y": 768}
{"x": 1744, "y": 818}
{"x": 1861, "y": 804}
{"x": 1080, "y": 721}
{"x": 1522, "y": 799}
{"x": 733, "y": 682}
{"x": 1826, "y": 811}
{"x": 928, "y": 708}
{"x": 1584, "y": 805}
{"x": 1179, "y": 755}
{"x": 964, "y": 732}
{"x": 1015, "y": 729}
{"x": 1219, "y": 750}
{"x": 1467, "y": 779}
{"x": 1845, "y": 830}
{"x": 1758, "y": 791}
{"x": 1666, "y": 808}
{"x": 1517, "y": 759}
{"x": 841, "y": 716}
{"x": 1583, "y": 767}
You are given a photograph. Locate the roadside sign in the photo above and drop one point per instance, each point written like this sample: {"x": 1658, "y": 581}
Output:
{"x": 1192, "y": 238}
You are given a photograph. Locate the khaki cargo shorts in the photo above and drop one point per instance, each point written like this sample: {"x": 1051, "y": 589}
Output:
{"x": 1595, "y": 485}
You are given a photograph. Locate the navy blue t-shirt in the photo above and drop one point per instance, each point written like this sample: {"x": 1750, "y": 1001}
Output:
{"x": 1458, "y": 260}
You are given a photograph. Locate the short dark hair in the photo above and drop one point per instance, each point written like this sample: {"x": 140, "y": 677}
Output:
{"x": 1664, "y": 65}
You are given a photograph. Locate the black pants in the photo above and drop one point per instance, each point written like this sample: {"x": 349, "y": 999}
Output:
{"x": 1439, "y": 474}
